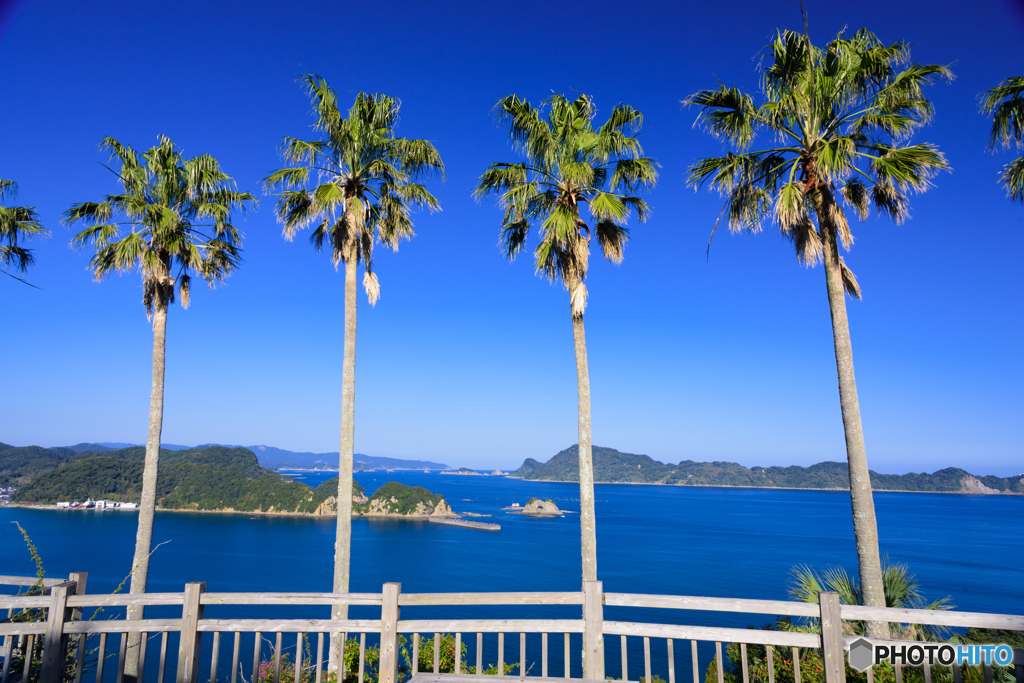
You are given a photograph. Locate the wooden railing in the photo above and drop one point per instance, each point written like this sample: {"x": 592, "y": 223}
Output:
{"x": 67, "y": 636}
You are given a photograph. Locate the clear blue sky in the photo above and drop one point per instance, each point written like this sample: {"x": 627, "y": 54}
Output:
{"x": 466, "y": 358}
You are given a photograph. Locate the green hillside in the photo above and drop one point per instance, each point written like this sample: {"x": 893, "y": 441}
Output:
{"x": 398, "y": 499}
{"x": 611, "y": 465}
{"x": 212, "y": 478}
{"x": 18, "y": 465}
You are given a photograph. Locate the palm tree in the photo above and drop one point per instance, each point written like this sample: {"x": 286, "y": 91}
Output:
{"x": 841, "y": 117}
{"x": 172, "y": 218}
{"x": 899, "y": 585}
{"x": 1005, "y": 103}
{"x": 365, "y": 190}
{"x": 567, "y": 165}
{"x": 17, "y": 222}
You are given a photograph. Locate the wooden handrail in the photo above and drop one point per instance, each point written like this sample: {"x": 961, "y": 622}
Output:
{"x": 289, "y": 598}
{"x": 933, "y": 617}
{"x": 713, "y": 633}
{"x": 523, "y": 598}
{"x": 490, "y": 626}
{"x": 703, "y": 604}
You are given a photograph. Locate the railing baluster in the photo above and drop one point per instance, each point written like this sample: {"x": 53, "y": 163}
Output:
{"x": 214, "y": 657}
{"x": 298, "y": 657}
{"x": 122, "y": 651}
{"x": 568, "y": 669}
{"x": 362, "y": 655}
{"x": 771, "y": 664}
{"x": 458, "y": 653}
{"x": 693, "y": 655}
{"x": 718, "y": 660}
{"x": 234, "y": 657}
{"x": 796, "y": 666}
{"x": 501, "y": 653}
{"x": 544, "y": 655}
{"x": 479, "y": 653}
{"x": 277, "y": 657}
{"x": 341, "y": 662}
{"x": 415, "y": 653}
{"x": 30, "y": 649}
{"x": 163, "y": 658}
{"x": 8, "y": 650}
{"x": 101, "y": 660}
{"x": 437, "y": 652}
{"x": 647, "y": 660}
{"x": 522, "y": 654}
{"x": 319, "y": 657}
{"x": 143, "y": 645}
{"x": 625, "y": 658}
{"x": 257, "y": 646}
{"x": 671, "y": 664}
{"x": 743, "y": 657}
{"x": 81, "y": 645}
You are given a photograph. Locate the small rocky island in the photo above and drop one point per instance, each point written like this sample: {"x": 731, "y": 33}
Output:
{"x": 535, "y": 507}
{"x": 393, "y": 500}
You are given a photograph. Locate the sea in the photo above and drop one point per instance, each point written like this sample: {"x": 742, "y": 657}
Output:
{"x": 723, "y": 542}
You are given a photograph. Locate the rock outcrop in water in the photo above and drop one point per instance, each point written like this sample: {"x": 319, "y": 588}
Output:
{"x": 536, "y": 506}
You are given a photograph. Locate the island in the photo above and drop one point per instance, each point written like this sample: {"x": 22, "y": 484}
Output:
{"x": 612, "y": 466}
{"x": 210, "y": 479}
{"x": 473, "y": 473}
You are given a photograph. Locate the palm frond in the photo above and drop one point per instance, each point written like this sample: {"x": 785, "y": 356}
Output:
{"x": 1005, "y": 103}
{"x": 1012, "y": 177}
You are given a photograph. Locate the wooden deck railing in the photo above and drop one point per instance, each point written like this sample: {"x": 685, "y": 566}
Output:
{"x": 57, "y": 643}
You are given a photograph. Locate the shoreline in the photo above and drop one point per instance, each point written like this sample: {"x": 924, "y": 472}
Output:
{"x": 765, "y": 488}
{"x": 35, "y": 506}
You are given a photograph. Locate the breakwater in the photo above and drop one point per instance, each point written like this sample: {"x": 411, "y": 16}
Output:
{"x": 485, "y": 526}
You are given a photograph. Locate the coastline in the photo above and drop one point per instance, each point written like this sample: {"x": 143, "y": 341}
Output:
{"x": 765, "y": 488}
{"x": 230, "y": 511}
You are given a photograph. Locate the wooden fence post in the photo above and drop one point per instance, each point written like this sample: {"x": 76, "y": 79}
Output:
{"x": 53, "y": 644}
{"x": 832, "y": 637}
{"x": 388, "y": 672}
{"x": 78, "y": 649}
{"x": 593, "y": 630}
{"x": 191, "y": 639}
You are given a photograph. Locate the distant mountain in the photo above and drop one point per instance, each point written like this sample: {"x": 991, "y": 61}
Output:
{"x": 278, "y": 458}
{"x": 613, "y": 466}
{"x": 164, "y": 446}
{"x": 89, "y": 448}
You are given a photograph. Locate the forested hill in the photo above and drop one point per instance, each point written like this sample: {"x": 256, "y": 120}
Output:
{"x": 611, "y": 465}
{"x": 214, "y": 478}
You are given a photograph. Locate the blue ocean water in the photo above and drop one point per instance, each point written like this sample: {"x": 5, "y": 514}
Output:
{"x": 651, "y": 539}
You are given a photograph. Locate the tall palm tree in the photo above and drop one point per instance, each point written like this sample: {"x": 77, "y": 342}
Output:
{"x": 569, "y": 164}
{"x": 17, "y": 223}
{"x": 1005, "y": 103}
{"x": 365, "y": 188}
{"x": 841, "y": 117}
{"x": 172, "y": 218}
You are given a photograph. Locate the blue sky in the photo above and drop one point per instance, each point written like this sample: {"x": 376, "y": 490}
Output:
{"x": 469, "y": 359}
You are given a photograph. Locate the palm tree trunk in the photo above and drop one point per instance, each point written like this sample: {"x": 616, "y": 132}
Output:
{"x": 343, "y": 538}
{"x": 865, "y": 526}
{"x": 588, "y": 528}
{"x": 147, "y": 506}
